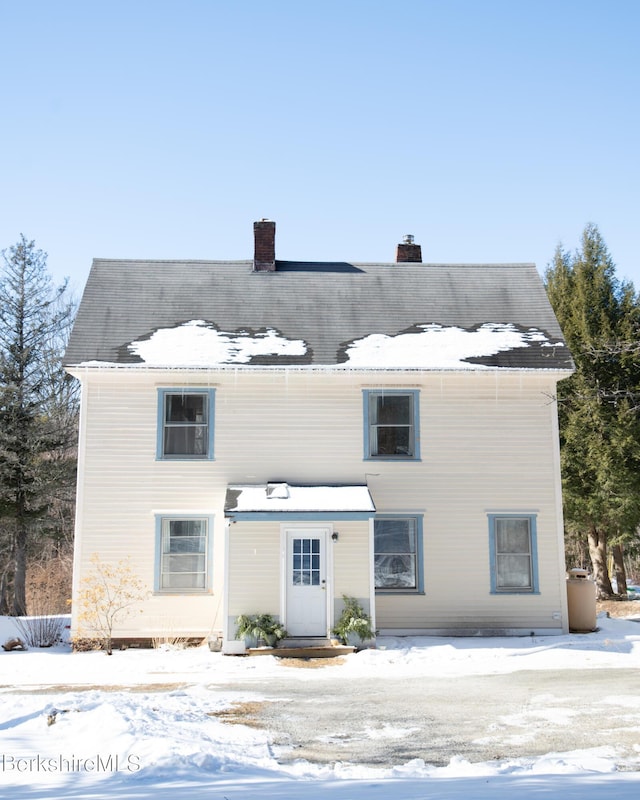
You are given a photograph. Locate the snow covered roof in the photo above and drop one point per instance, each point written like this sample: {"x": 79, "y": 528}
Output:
{"x": 284, "y": 498}
{"x": 207, "y": 314}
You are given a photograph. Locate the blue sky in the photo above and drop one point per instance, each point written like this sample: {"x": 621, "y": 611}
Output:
{"x": 492, "y": 130}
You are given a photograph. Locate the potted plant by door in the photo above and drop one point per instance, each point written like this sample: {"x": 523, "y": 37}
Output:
{"x": 354, "y": 625}
{"x": 257, "y": 628}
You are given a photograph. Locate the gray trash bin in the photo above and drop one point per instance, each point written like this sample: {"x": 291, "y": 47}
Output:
{"x": 581, "y": 599}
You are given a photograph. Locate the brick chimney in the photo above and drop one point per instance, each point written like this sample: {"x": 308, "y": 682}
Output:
{"x": 408, "y": 251}
{"x": 264, "y": 254}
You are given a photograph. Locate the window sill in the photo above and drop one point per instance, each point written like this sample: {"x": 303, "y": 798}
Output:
{"x": 393, "y": 593}
{"x": 511, "y": 592}
{"x": 182, "y": 459}
{"x": 391, "y": 458}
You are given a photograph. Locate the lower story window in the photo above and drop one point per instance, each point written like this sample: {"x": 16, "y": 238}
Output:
{"x": 512, "y": 546}
{"x": 183, "y": 554}
{"x": 398, "y": 553}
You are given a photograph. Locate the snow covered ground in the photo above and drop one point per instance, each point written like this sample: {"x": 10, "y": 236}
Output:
{"x": 143, "y": 724}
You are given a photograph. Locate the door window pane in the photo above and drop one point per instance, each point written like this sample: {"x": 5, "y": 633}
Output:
{"x": 306, "y": 562}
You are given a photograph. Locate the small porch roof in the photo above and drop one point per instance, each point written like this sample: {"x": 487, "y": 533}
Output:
{"x": 288, "y": 502}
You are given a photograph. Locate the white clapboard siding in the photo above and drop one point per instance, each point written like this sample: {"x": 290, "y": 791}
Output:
{"x": 488, "y": 443}
{"x": 255, "y": 568}
{"x": 351, "y": 571}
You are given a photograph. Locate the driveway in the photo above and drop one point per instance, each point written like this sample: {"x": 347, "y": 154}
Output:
{"x": 379, "y": 722}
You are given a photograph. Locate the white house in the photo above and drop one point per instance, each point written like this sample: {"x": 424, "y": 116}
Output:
{"x": 266, "y": 436}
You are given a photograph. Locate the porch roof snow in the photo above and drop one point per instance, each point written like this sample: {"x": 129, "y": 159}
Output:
{"x": 284, "y": 498}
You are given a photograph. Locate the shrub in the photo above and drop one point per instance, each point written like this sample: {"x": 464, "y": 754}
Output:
{"x": 108, "y": 593}
{"x": 353, "y": 620}
{"x": 261, "y": 626}
{"x": 40, "y": 631}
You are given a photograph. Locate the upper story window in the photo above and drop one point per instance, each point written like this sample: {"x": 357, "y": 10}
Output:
{"x": 391, "y": 424}
{"x": 512, "y": 546}
{"x": 185, "y": 423}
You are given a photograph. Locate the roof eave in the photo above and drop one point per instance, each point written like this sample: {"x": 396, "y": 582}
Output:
{"x": 84, "y": 368}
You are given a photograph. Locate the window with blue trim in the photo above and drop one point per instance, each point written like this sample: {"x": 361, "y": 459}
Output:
{"x": 183, "y": 554}
{"x": 398, "y": 554}
{"x": 185, "y": 424}
{"x": 391, "y": 424}
{"x": 513, "y": 552}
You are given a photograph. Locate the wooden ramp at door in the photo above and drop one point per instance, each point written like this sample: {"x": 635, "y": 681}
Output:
{"x": 302, "y": 650}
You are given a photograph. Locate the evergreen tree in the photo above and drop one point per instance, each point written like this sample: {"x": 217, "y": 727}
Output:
{"x": 36, "y": 409}
{"x": 598, "y": 405}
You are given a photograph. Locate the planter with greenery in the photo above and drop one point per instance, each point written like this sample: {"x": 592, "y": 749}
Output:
{"x": 354, "y": 624}
{"x": 259, "y": 627}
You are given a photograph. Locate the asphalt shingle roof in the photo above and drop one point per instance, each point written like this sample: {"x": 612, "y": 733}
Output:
{"x": 328, "y": 306}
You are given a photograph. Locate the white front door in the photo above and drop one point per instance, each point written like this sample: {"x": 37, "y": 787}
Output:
{"x": 306, "y": 587}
